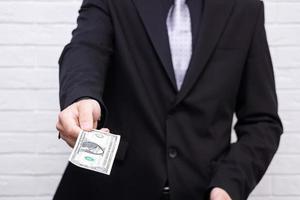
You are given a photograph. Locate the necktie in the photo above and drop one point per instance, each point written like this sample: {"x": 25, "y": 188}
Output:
{"x": 180, "y": 38}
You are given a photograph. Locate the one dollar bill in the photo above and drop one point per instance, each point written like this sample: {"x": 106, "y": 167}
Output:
{"x": 95, "y": 150}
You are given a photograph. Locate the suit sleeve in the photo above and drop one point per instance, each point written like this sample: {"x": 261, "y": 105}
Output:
{"x": 85, "y": 59}
{"x": 258, "y": 125}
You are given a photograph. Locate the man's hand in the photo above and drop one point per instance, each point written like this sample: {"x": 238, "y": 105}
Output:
{"x": 219, "y": 194}
{"x": 81, "y": 115}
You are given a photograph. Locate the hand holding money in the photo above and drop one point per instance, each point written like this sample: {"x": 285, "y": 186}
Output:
{"x": 81, "y": 115}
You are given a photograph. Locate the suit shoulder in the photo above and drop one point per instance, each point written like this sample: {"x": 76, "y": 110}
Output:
{"x": 250, "y": 2}
{"x": 250, "y": 8}
{"x": 253, "y": 5}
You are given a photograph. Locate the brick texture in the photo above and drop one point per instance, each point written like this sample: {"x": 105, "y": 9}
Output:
{"x": 32, "y": 35}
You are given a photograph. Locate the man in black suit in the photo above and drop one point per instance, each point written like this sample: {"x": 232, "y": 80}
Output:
{"x": 168, "y": 76}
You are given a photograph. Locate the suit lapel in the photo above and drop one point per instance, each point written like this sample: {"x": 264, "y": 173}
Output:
{"x": 151, "y": 13}
{"x": 215, "y": 16}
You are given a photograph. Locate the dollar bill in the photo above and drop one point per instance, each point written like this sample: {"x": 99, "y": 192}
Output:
{"x": 95, "y": 150}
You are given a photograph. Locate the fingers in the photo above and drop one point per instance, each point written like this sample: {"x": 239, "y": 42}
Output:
{"x": 219, "y": 194}
{"x": 105, "y": 130}
{"x": 82, "y": 115}
{"x": 68, "y": 125}
{"x": 69, "y": 141}
{"x": 89, "y": 112}
{"x": 95, "y": 124}
{"x": 86, "y": 120}
{"x": 96, "y": 110}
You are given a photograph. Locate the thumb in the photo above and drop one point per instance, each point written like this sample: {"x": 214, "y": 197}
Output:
{"x": 85, "y": 111}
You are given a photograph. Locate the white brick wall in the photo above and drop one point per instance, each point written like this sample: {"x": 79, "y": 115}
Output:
{"x": 32, "y": 35}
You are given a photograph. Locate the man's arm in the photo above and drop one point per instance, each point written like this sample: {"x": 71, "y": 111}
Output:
{"x": 84, "y": 61}
{"x": 82, "y": 69}
{"x": 258, "y": 127}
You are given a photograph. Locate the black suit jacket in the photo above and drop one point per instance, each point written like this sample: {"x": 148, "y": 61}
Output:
{"x": 119, "y": 54}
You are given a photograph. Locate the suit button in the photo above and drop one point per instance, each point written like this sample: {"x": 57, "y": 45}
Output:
{"x": 172, "y": 152}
